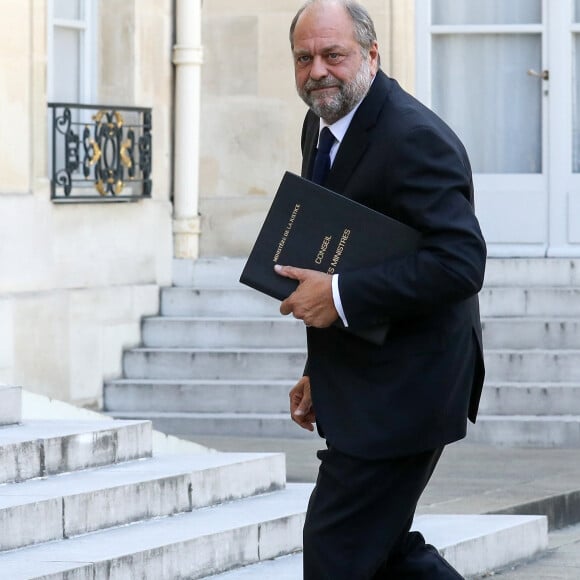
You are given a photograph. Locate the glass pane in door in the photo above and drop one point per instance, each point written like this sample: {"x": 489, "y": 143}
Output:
{"x": 482, "y": 89}
{"x": 487, "y": 11}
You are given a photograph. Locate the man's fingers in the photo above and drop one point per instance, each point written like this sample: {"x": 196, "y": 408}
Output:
{"x": 289, "y": 272}
{"x": 285, "y": 307}
{"x": 312, "y": 301}
{"x": 304, "y": 407}
{"x": 301, "y": 410}
{"x": 304, "y": 424}
{"x": 305, "y": 421}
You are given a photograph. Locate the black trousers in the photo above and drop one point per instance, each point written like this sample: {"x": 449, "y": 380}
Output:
{"x": 359, "y": 516}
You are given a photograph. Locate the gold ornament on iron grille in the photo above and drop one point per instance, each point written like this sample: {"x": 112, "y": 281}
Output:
{"x": 116, "y": 151}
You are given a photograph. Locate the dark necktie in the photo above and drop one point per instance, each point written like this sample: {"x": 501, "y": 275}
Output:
{"x": 322, "y": 159}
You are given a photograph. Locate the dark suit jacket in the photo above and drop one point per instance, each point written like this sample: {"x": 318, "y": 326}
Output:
{"x": 416, "y": 391}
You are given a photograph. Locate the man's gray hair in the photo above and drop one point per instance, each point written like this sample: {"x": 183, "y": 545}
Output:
{"x": 364, "y": 28}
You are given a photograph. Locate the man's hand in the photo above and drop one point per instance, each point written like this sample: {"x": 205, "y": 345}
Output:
{"x": 312, "y": 301}
{"x": 301, "y": 409}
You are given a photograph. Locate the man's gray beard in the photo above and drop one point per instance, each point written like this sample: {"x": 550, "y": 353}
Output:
{"x": 333, "y": 108}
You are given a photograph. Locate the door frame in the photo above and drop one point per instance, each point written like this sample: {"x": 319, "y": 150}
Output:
{"x": 564, "y": 183}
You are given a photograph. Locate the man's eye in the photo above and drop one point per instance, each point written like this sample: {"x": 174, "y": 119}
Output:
{"x": 303, "y": 59}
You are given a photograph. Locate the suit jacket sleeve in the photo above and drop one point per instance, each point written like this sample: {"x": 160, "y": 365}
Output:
{"x": 430, "y": 189}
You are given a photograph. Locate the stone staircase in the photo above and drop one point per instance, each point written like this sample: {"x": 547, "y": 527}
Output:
{"x": 87, "y": 500}
{"x": 531, "y": 323}
{"x": 220, "y": 359}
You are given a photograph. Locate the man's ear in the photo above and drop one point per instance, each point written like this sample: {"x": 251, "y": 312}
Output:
{"x": 375, "y": 58}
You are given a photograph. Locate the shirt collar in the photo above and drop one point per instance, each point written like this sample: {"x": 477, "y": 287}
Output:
{"x": 340, "y": 127}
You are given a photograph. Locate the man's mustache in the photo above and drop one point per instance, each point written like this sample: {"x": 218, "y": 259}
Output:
{"x": 326, "y": 82}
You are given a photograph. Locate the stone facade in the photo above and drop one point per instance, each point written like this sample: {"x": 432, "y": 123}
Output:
{"x": 76, "y": 278}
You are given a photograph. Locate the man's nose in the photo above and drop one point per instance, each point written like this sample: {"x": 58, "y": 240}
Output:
{"x": 318, "y": 70}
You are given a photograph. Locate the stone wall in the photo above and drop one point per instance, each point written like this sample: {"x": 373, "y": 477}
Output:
{"x": 76, "y": 278}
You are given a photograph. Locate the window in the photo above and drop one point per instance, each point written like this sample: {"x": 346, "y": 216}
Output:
{"x": 481, "y": 52}
{"x": 72, "y": 54}
{"x": 72, "y": 66}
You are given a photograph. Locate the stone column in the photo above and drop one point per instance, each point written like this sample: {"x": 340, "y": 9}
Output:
{"x": 187, "y": 58}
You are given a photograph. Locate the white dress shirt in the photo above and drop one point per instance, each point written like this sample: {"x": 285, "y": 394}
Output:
{"x": 339, "y": 130}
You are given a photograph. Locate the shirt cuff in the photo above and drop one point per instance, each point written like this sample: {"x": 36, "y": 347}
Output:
{"x": 337, "y": 301}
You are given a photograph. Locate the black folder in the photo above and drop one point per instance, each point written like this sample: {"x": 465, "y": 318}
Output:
{"x": 309, "y": 226}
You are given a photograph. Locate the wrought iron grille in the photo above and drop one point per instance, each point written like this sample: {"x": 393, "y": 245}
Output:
{"x": 100, "y": 153}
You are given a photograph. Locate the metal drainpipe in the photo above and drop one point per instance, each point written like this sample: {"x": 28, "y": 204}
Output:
{"x": 187, "y": 58}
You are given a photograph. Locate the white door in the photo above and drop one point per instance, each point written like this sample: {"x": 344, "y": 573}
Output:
{"x": 500, "y": 73}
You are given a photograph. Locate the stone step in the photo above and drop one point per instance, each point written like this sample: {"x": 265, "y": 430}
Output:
{"x": 287, "y": 364}
{"x": 208, "y": 272}
{"x": 56, "y": 508}
{"x": 535, "y": 301}
{"x": 531, "y": 333}
{"x": 558, "y": 366}
{"x": 190, "y": 545}
{"x": 499, "y": 398}
{"x": 217, "y": 302}
{"x": 10, "y": 405}
{"x": 274, "y": 425}
{"x": 548, "y": 431}
{"x": 41, "y": 448}
{"x": 282, "y": 568}
{"x": 213, "y": 272}
{"x": 530, "y": 399}
{"x": 197, "y": 396}
{"x": 532, "y": 272}
{"x": 281, "y": 332}
{"x": 543, "y": 431}
{"x": 190, "y": 332}
{"x": 473, "y": 545}
{"x": 241, "y": 301}
{"x": 275, "y": 364}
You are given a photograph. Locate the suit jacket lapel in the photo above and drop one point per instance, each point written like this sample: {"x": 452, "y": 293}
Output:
{"x": 349, "y": 154}
{"x": 357, "y": 137}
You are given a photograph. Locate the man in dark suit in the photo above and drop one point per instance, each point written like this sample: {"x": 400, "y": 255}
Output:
{"x": 386, "y": 411}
